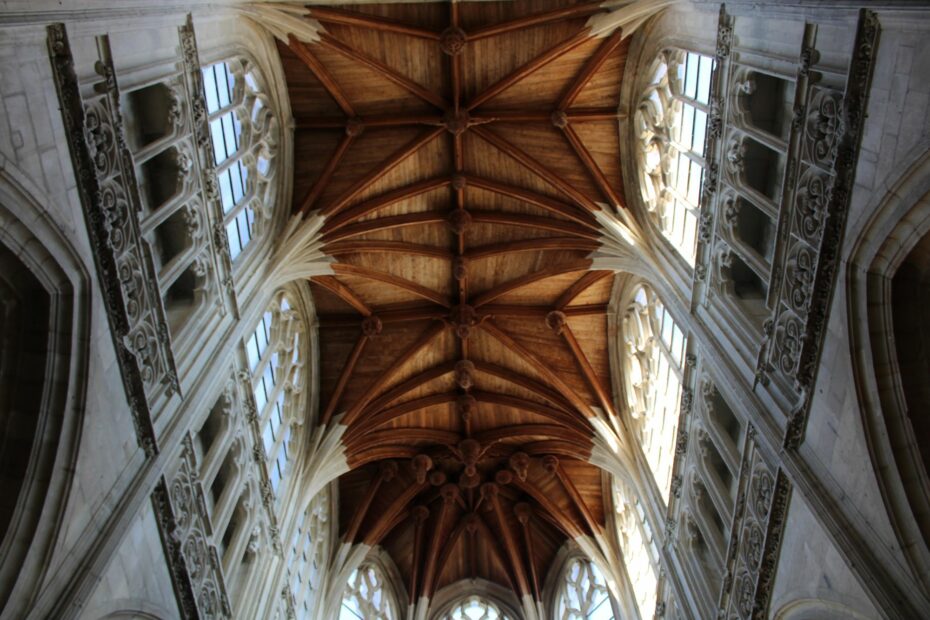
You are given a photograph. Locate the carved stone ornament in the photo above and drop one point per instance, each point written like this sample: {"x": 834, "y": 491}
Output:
{"x": 823, "y": 127}
{"x": 111, "y": 203}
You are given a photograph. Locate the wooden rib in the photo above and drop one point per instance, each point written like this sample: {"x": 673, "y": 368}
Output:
{"x": 530, "y": 221}
{"x": 533, "y": 165}
{"x": 537, "y": 200}
{"x": 495, "y": 548}
{"x": 510, "y": 546}
{"x": 382, "y": 120}
{"x": 387, "y": 317}
{"x": 591, "y": 166}
{"x": 513, "y": 310}
{"x": 595, "y": 62}
{"x": 362, "y": 509}
{"x": 351, "y": 18}
{"x": 528, "y": 245}
{"x": 585, "y": 310}
{"x": 543, "y": 369}
{"x": 375, "y": 388}
{"x": 368, "y": 423}
{"x": 387, "y": 199}
{"x": 531, "y": 385}
{"x": 432, "y": 554}
{"x": 382, "y": 69}
{"x": 344, "y": 378}
{"x": 557, "y": 447}
{"x": 375, "y": 175}
{"x": 529, "y": 68}
{"x": 389, "y": 278}
{"x": 537, "y": 19}
{"x": 388, "y": 223}
{"x": 373, "y": 455}
{"x": 415, "y": 560}
{"x": 376, "y": 439}
{"x": 528, "y": 543}
{"x": 580, "y": 286}
{"x": 576, "y": 498}
{"x": 446, "y": 552}
{"x": 550, "y": 431}
{"x": 387, "y": 246}
{"x": 561, "y": 416}
{"x": 381, "y": 527}
{"x": 563, "y": 521}
{"x": 512, "y": 285}
{"x": 316, "y": 67}
{"x": 577, "y": 115}
{"x": 409, "y": 385}
{"x": 343, "y": 292}
{"x": 326, "y": 175}
{"x": 587, "y": 370}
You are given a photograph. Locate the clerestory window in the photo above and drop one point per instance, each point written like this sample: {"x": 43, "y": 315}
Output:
{"x": 244, "y": 134}
{"x": 654, "y": 348}
{"x": 307, "y": 554}
{"x": 273, "y": 352}
{"x": 583, "y": 593}
{"x": 366, "y": 596}
{"x": 672, "y": 124}
{"x": 475, "y": 608}
{"x": 638, "y": 546}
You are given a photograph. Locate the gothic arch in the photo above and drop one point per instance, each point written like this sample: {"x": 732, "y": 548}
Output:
{"x": 44, "y": 297}
{"x": 892, "y": 240}
{"x": 445, "y": 599}
{"x": 818, "y": 608}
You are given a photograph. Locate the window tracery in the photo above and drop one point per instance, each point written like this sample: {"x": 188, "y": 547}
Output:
{"x": 475, "y": 608}
{"x": 367, "y": 597}
{"x": 307, "y": 554}
{"x": 583, "y": 593}
{"x": 672, "y": 122}
{"x": 273, "y": 353}
{"x": 654, "y": 357}
{"x": 244, "y": 135}
{"x": 638, "y": 545}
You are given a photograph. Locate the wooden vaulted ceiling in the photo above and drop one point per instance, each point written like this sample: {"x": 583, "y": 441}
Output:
{"x": 458, "y": 152}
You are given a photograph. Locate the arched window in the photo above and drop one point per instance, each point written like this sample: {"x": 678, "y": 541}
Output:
{"x": 367, "y": 597}
{"x": 672, "y": 122}
{"x": 638, "y": 546}
{"x": 273, "y": 354}
{"x": 244, "y": 133}
{"x": 654, "y": 348}
{"x": 583, "y": 593}
{"x": 475, "y": 608}
{"x": 307, "y": 554}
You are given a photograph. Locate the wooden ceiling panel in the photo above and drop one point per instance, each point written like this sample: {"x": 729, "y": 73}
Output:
{"x": 463, "y": 334}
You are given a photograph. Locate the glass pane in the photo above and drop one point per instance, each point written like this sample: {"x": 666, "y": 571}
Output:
{"x": 703, "y": 88}
{"x": 691, "y": 75}
{"x": 209, "y": 89}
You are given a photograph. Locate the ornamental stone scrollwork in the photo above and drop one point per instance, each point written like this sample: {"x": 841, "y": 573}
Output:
{"x": 823, "y": 127}
{"x": 799, "y": 276}
{"x": 811, "y": 200}
{"x": 111, "y": 203}
{"x": 196, "y": 562}
{"x": 786, "y": 343}
{"x": 755, "y": 544}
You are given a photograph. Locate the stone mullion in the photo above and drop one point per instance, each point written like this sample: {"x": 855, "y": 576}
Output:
{"x": 232, "y": 490}
{"x": 232, "y": 556}
{"x": 216, "y": 453}
{"x": 712, "y": 482}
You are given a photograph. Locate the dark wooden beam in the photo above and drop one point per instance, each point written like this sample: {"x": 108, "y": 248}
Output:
{"x": 343, "y": 292}
{"x": 382, "y": 69}
{"x": 537, "y": 19}
{"x": 386, "y": 472}
{"x": 386, "y": 199}
{"x": 420, "y": 514}
{"x": 594, "y": 528}
{"x": 528, "y": 245}
{"x": 378, "y": 173}
{"x": 535, "y": 166}
{"x": 352, "y": 18}
{"x": 600, "y": 179}
{"x": 316, "y": 67}
{"x": 510, "y": 545}
{"x": 307, "y": 204}
{"x": 389, "y": 278}
{"x": 430, "y": 576}
{"x": 339, "y": 248}
{"x": 375, "y": 388}
{"x": 517, "y": 283}
{"x": 594, "y": 63}
{"x": 576, "y": 289}
{"x": 587, "y": 370}
{"x": 529, "y": 68}
{"x": 386, "y": 223}
{"x": 344, "y": 377}
{"x": 386, "y": 519}
{"x": 580, "y": 216}
{"x": 543, "y": 116}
